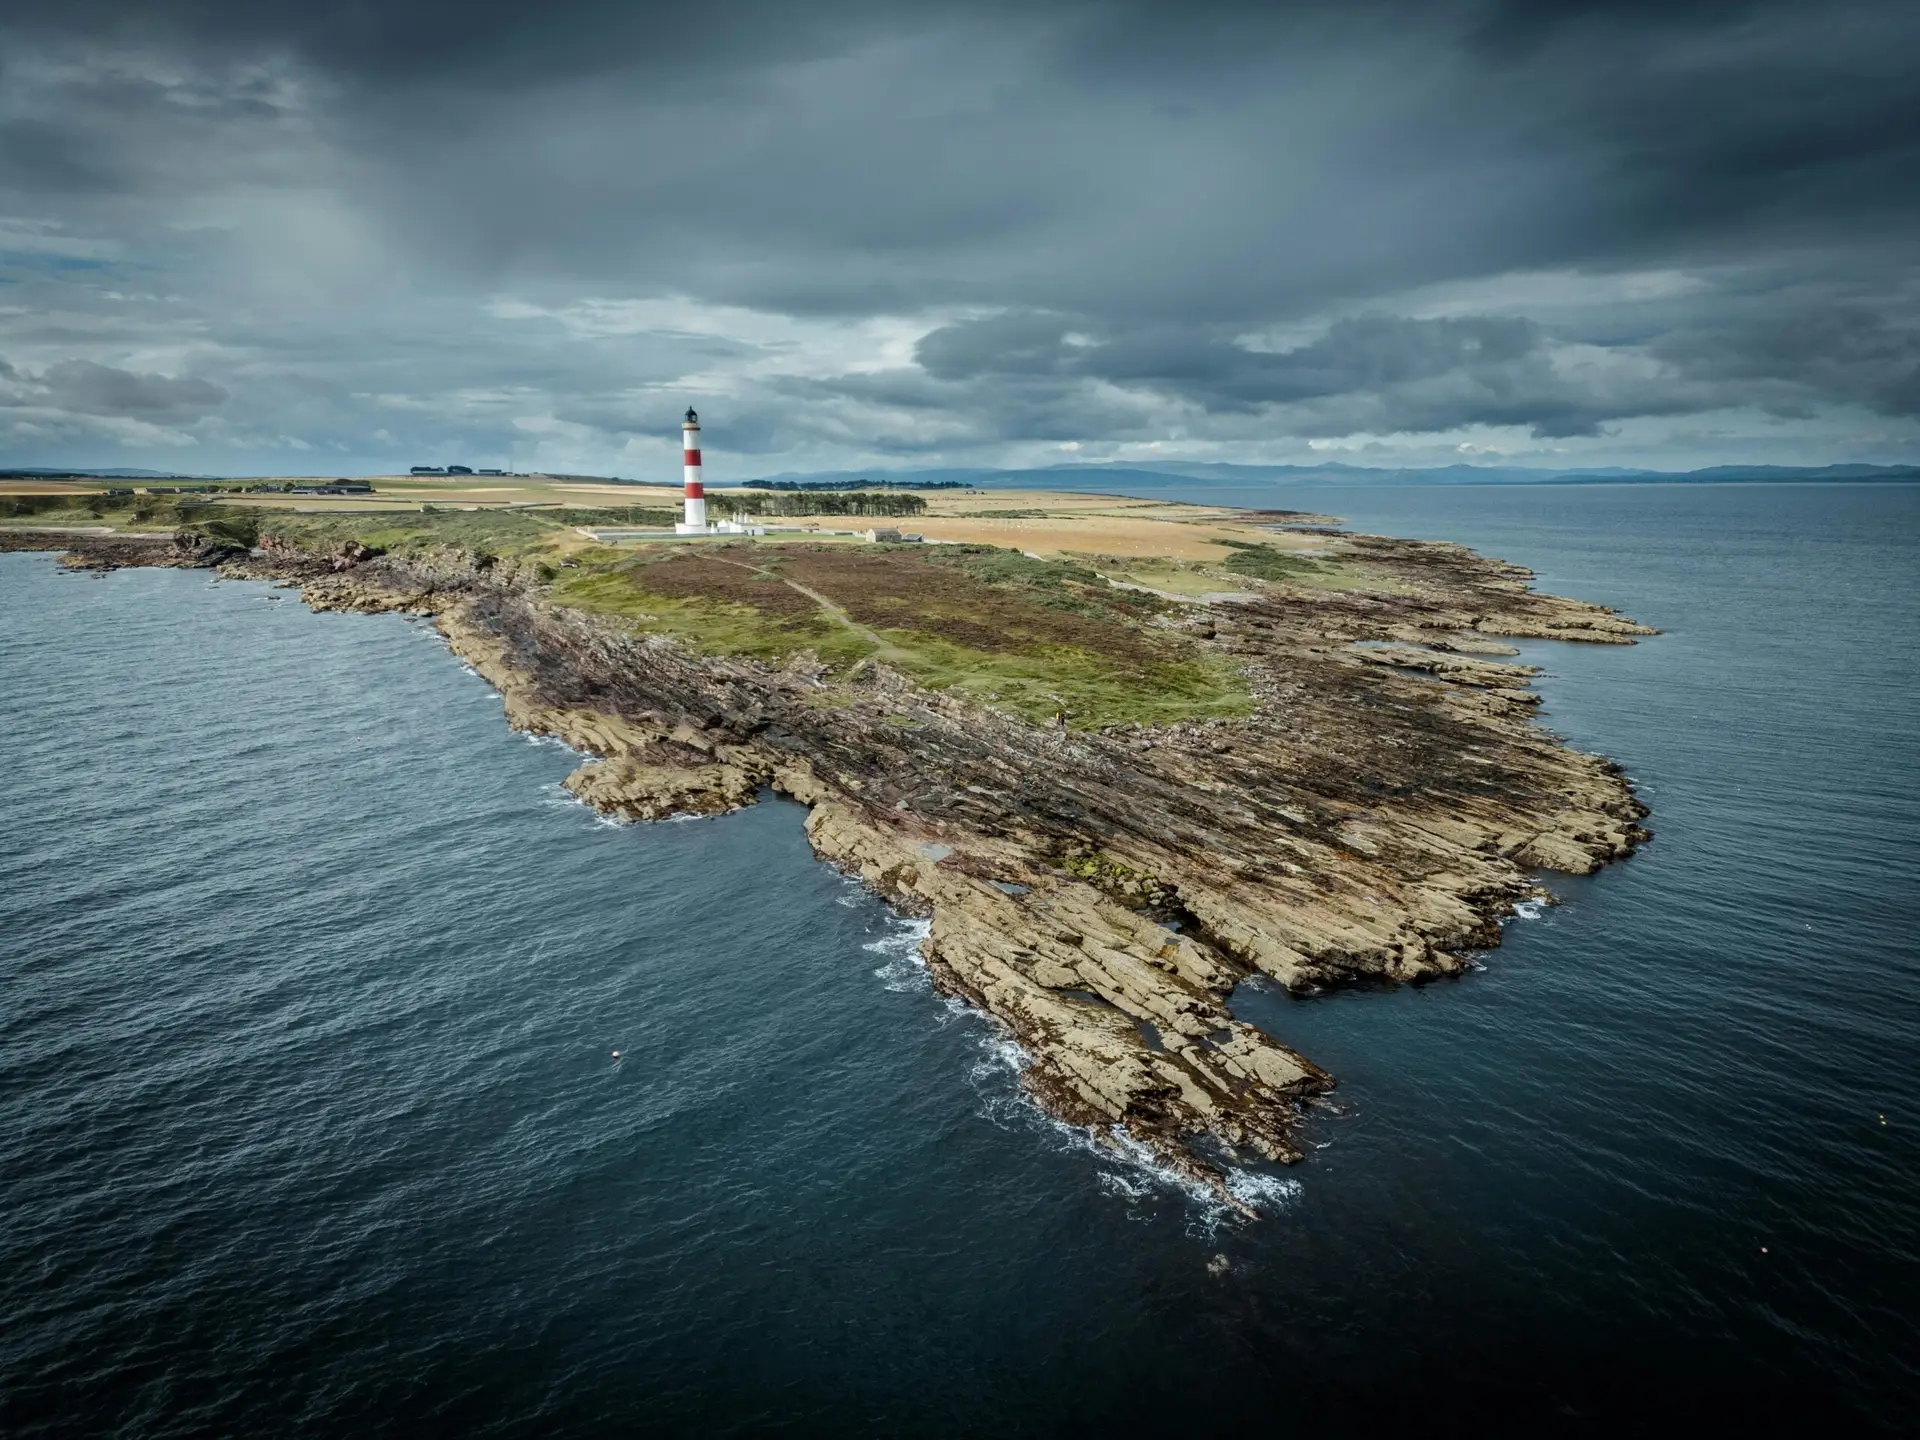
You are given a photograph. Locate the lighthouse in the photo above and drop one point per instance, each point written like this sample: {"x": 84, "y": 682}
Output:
{"x": 696, "y": 521}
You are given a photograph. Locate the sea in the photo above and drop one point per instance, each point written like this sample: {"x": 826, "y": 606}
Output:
{"x": 311, "y": 1121}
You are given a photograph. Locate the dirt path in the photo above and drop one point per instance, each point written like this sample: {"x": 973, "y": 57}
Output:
{"x": 883, "y": 650}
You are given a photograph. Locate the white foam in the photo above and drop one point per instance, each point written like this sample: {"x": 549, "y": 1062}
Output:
{"x": 1530, "y": 909}
{"x": 1262, "y": 1192}
{"x": 953, "y": 1008}
{"x": 1207, "y": 1210}
{"x": 559, "y": 796}
{"x": 552, "y": 742}
{"x": 1000, "y": 1055}
{"x": 1128, "y": 1169}
{"x": 905, "y": 968}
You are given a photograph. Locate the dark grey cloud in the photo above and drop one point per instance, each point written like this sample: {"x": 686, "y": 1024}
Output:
{"x": 82, "y": 387}
{"x": 102, "y": 390}
{"x": 1830, "y": 352}
{"x": 1386, "y": 373}
{"x": 970, "y": 227}
{"x": 1416, "y": 374}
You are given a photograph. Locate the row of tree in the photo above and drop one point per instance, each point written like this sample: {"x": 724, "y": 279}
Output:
{"x": 855, "y": 484}
{"x": 889, "y": 504}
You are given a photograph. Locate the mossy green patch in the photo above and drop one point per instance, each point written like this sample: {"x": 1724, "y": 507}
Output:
{"x": 1264, "y": 562}
{"x": 1140, "y": 889}
{"x": 610, "y": 515}
{"x": 493, "y": 532}
{"x": 716, "y": 626}
{"x": 1056, "y": 584}
{"x": 747, "y": 610}
{"x": 1085, "y": 689}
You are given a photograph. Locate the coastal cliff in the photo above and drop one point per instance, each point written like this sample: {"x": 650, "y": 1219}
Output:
{"x": 1098, "y": 888}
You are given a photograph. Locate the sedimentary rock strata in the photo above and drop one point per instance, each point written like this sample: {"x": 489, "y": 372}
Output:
{"x": 1101, "y": 893}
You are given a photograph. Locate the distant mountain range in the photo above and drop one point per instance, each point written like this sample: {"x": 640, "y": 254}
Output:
{"x": 1338, "y": 474}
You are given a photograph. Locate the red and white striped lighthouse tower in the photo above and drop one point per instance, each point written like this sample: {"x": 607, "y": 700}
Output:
{"x": 696, "y": 492}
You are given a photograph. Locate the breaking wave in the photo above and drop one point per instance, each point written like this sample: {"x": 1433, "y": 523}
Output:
{"x": 1125, "y": 1168}
{"x": 903, "y": 967}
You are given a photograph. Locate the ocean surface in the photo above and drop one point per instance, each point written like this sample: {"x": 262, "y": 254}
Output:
{"x": 310, "y": 979}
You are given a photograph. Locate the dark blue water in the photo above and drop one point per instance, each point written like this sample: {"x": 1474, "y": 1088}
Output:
{"x": 309, "y": 979}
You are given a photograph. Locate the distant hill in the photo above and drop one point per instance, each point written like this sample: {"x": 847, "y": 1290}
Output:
{"x": 29, "y": 472}
{"x": 1359, "y": 475}
{"x": 1339, "y": 474}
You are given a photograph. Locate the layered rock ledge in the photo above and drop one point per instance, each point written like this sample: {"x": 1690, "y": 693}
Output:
{"x": 1100, "y": 893}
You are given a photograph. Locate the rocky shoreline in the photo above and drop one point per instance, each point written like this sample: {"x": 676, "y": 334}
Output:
{"x": 1098, "y": 892}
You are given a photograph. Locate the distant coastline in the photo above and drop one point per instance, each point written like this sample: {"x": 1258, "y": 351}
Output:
{"x": 1337, "y": 474}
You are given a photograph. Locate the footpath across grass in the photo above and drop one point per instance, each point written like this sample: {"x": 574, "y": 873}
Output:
{"x": 1041, "y": 639}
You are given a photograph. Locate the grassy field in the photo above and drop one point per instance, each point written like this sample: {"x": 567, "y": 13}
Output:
{"x": 1028, "y": 604}
{"x": 1043, "y": 639}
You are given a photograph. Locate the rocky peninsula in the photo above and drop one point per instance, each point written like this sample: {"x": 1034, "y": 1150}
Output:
{"x": 1117, "y": 782}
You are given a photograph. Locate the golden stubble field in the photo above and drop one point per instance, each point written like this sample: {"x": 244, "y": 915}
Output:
{"x": 1050, "y": 523}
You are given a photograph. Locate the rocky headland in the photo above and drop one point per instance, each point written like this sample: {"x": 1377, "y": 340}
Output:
{"x": 1099, "y": 889}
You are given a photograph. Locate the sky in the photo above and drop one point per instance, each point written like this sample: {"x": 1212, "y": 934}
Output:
{"x": 239, "y": 238}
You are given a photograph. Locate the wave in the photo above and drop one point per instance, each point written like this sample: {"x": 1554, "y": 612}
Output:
{"x": 552, "y": 742}
{"x": 905, "y": 968}
{"x": 559, "y": 797}
{"x": 1126, "y": 1168}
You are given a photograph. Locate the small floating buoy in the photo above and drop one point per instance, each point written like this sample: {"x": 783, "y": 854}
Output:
{"x": 616, "y": 1054}
{"x": 1763, "y": 1249}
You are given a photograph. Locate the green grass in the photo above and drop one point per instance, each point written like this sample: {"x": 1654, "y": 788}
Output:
{"x": 612, "y": 515}
{"x": 234, "y": 524}
{"x": 484, "y": 531}
{"x": 493, "y": 532}
{"x": 1091, "y": 690}
{"x": 1263, "y": 562}
{"x": 718, "y": 627}
{"x": 1183, "y": 581}
{"x": 1057, "y": 584}
{"x": 1038, "y": 684}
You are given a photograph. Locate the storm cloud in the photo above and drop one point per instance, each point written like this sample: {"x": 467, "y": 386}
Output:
{"x": 971, "y": 233}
